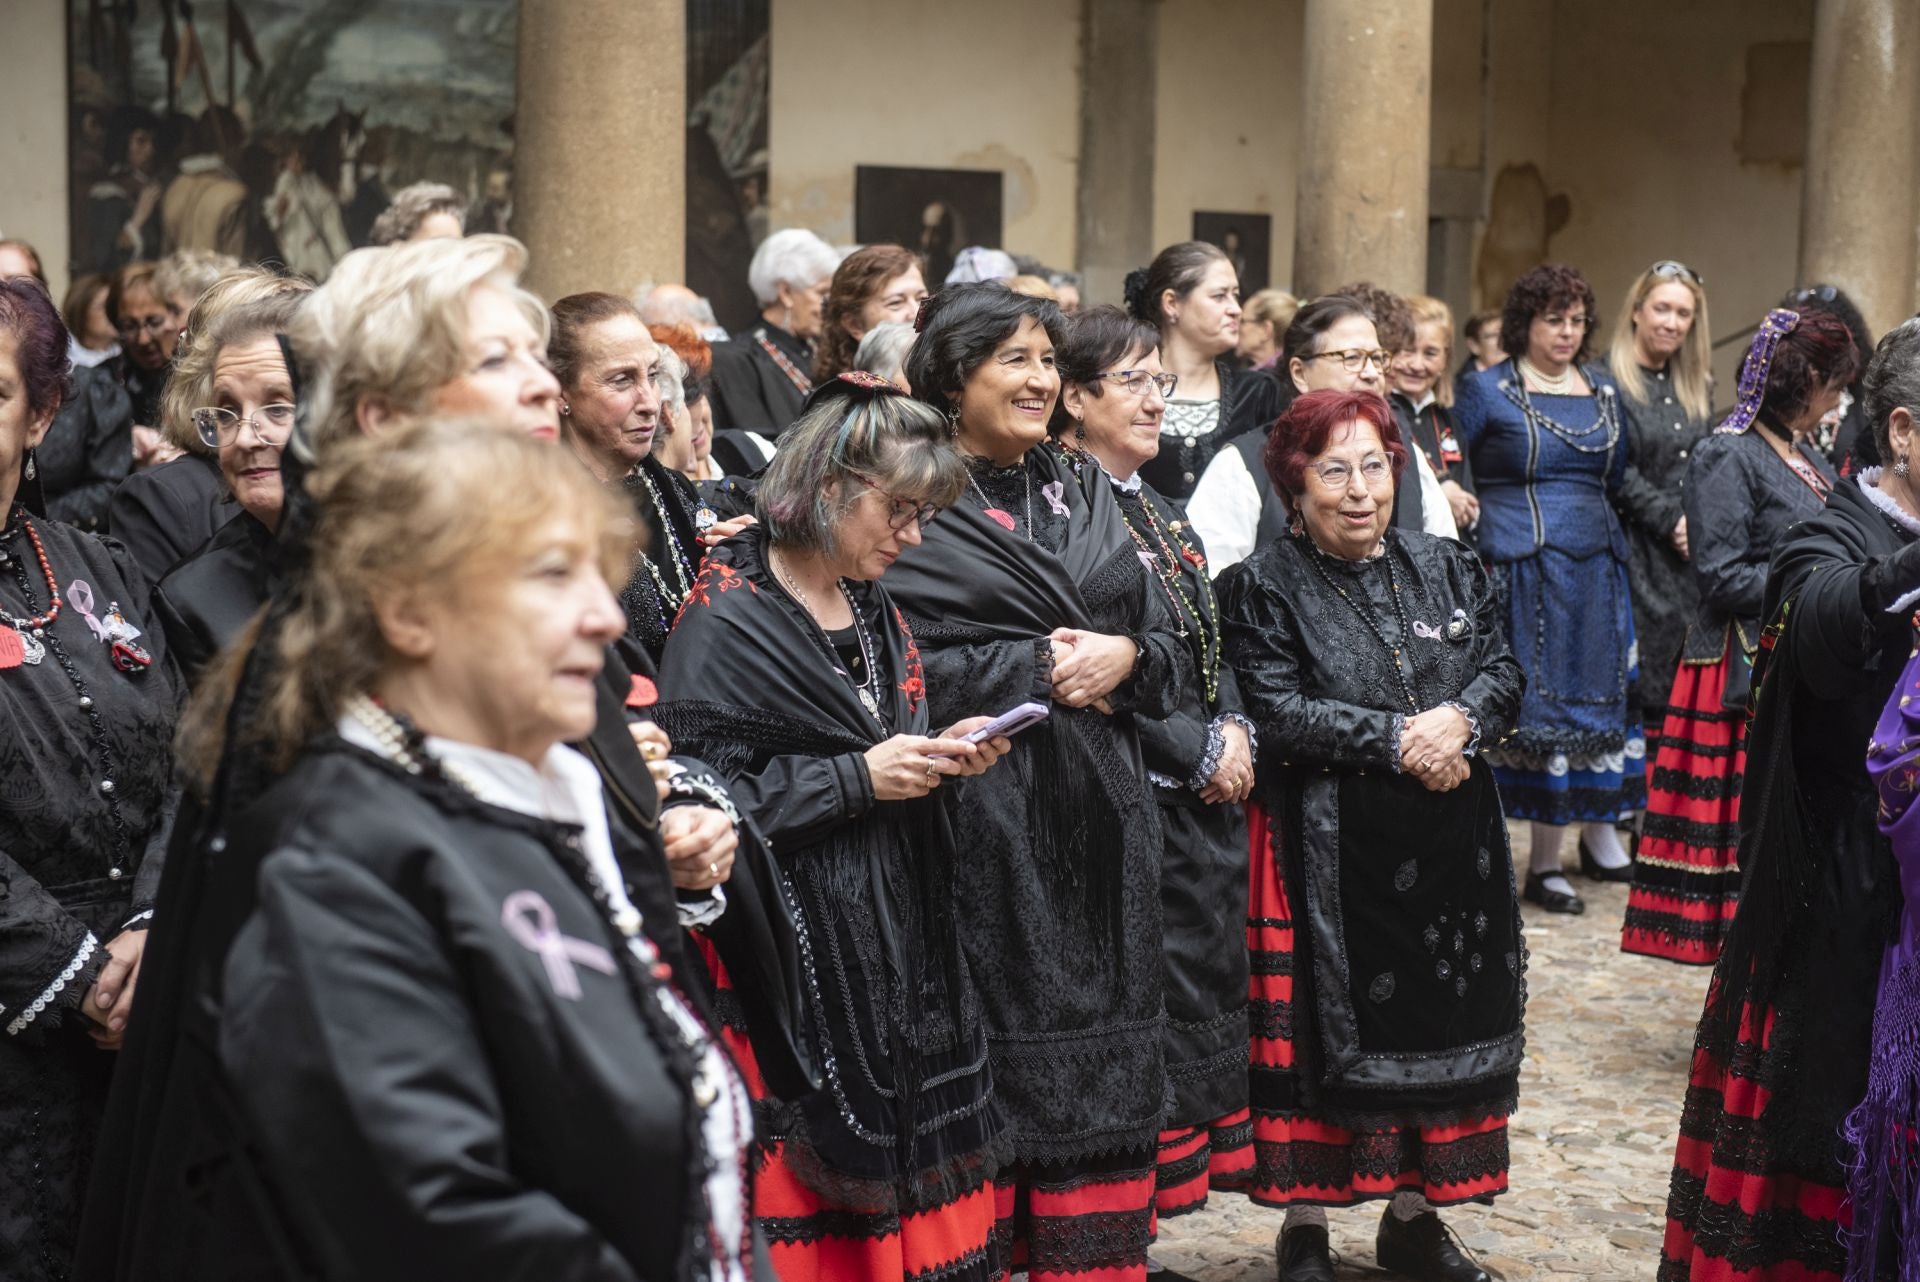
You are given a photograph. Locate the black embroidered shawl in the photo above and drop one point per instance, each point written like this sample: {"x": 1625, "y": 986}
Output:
{"x": 1059, "y": 909}
{"x": 754, "y": 687}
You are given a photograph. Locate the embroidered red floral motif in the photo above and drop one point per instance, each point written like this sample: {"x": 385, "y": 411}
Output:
{"x": 915, "y": 686}
{"x": 713, "y": 580}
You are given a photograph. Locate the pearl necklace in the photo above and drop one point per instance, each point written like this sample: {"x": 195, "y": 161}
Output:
{"x": 865, "y": 687}
{"x": 1561, "y": 384}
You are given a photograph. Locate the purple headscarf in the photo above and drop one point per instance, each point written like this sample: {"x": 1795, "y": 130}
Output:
{"x": 1752, "y": 387}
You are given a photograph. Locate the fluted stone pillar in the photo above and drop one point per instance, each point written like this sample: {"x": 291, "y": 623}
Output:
{"x": 1364, "y": 145}
{"x": 1857, "y": 200}
{"x": 600, "y": 143}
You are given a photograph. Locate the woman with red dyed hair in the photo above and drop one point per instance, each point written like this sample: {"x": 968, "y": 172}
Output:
{"x": 1387, "y": 994}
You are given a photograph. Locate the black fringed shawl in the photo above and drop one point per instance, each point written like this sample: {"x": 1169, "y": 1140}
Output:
{"x": 1819, "y": 891}
{"x": 1059, "y": 909}
{"x": 753, "y": 687}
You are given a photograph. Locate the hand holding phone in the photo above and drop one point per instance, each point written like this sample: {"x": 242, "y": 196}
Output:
{"x": 1009, "y": 723}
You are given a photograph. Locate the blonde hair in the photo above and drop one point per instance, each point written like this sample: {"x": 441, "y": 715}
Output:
{"x": 1691, "y": 366}
{"x": 190, "y": 384}
{"x": 391, "y": 324}
{"x": 1033, "y": 287}
{"x": 437, "y": 505}
{"x": 1274, "y": 307}
{"x": 1428, "y": 310}
{"x": 189, "y": 273}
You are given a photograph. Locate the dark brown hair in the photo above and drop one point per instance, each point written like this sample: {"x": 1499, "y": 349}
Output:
{"x": 1547, "y": 286}
{"x": 861, "y": 275}
{"x": 1179, "y": 268}
{"x": 573, "y": 316}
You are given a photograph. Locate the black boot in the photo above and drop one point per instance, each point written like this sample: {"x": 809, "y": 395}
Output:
{"x": 1422, "y": 1249}
{"x": 1304, "y": 1254}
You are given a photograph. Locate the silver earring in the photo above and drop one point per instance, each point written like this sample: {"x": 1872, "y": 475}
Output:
{"x": 565, "y": 408}
{"x": 33, "y": 469}
{"x": 1899, "y": 468}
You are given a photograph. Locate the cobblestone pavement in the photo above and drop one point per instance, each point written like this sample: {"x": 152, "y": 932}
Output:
{"x": 1609, "y": 1037}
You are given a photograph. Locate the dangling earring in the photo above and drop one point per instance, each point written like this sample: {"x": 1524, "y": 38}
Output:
{"x": 953, "y": 420}
{"x": 1080, "y": 433}
{"x": 1295, "y": 525}
{"x": 33, "y": 469}
{"x": 1899, "y": 468}
{"x": 565, "y": 409}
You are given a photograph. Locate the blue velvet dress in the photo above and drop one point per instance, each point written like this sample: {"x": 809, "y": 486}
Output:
{"x": 1547, "y": 468}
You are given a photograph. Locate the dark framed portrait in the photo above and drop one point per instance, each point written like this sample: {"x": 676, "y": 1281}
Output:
{"x": 938, "y": 212}
{"x": 1246, "y": 240}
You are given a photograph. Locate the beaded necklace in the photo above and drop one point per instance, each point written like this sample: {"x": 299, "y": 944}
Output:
{"x": 1408, "y": 686}
{"x": 25, "y": 645}
{"x": 1166, "y": 563}
{"x": 865, "y": 687}
{"x": 670, "y": 601}
{"x": 403, "y": 744}
{"x": 787, "y": 367}
{"x": 1606, "y": 418}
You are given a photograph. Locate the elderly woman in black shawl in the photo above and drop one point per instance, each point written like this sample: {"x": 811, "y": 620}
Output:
{"x": 791, "y": 671}
{"x": 1373, "y": 664}
{"x": 1030, "y": 589}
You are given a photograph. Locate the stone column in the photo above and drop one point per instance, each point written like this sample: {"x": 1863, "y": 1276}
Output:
{"x": 1857, "y": 195}
{"x": 599, "y": 185}
{"x": 1364, "y": 145}
{"x": 1117, "y": 101}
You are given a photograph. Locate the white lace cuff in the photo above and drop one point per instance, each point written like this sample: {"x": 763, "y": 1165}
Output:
{"x": 53, "y": 990}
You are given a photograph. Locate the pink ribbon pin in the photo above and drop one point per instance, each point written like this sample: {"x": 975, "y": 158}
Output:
{"x": 1052, "y": 491}
{"x": 80, "y": 597}
{"x": 530, "y": 919}
{"x": 1426, "y": 630}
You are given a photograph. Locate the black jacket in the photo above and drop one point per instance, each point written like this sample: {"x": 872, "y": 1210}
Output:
{"x": 418, "y": 1093}
{"x": 750, "y": 391}
{"x": 205, "y": 601}
{"x": 165, "y": 512}
{"x": 1249, "y": 402}
{"x": 88, "y": 451}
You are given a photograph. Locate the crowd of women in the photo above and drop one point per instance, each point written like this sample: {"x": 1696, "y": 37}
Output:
{"x": 933, "y": 785}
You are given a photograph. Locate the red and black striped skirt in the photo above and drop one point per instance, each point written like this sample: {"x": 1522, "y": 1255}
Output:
{"x": 1728, "y": 1218}
{"x": 1300, "y": 1158}
{"x": 1686, "y": 874}
{"x": 1088, "y": 1220}
{"x": 1194, "y": 1159}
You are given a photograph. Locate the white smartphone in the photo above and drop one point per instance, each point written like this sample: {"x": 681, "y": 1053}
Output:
{"x": 1010, "y": 722}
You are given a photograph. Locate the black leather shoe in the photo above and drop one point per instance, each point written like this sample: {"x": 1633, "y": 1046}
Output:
{"x": 1554, "y": 901}
{"x": 1304, "y": 1254}
{"x": 1422, "y": 1249}
{"x": 1594, "y": 870}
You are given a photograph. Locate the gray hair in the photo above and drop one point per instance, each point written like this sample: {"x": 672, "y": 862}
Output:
{"x": 1892, "y": 380}
{"x": 185, "y": 274}
{"x": 883, "y": 351}
{"x": 412, "y": 206}
{"x": 795, "y": 256}
{"x": 671, "y": 380}
{"x": 899, "y": 442}
{"x": 673, "y": 304}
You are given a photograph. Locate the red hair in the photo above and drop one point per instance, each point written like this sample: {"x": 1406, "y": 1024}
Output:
{"x": 1302, "y": 434}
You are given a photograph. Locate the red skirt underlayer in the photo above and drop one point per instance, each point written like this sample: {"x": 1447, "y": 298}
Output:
{"x": 1299, "y": 1158}
{"x": 1728, "y": 1220}
{"x": 1686, "y": 875}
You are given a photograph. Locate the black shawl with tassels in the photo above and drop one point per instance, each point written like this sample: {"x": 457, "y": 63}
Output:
{"x": 1059, "y": 886}
{"x": 905, "y": 1120}
{"x": 1819, "y": 893}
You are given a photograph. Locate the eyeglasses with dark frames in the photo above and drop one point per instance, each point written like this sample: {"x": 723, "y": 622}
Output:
{"x": 1554, "y": 320}
{"x": 1136, "y": 381}
{"x": 901, "y": 512}
{"x": 1354, "y": 359}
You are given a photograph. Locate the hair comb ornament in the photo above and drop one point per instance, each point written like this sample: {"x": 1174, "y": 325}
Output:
{"x": 1752, "y": 387}
{"x": 856, "y": 383}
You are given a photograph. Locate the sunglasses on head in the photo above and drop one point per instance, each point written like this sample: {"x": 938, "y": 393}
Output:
{"x": 1674, "y": 267}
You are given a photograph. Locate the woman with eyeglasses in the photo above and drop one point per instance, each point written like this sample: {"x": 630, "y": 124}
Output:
{"x": 792, "y": 672}
{"x": 1548, "y": 443}
{"x": 1191, "y": 295}
{"x": 1384, "y": 930}
{"x": 1660, "y": 360}
{"x": 1030, "y": 589}
{"x": 1331, "y": 345}
{"x": 205, "y": 600}
{"x": 1199, "y": 760}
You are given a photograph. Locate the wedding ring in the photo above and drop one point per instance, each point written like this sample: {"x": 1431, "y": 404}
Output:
{"x": 932, "y": 776}
{"x": 1426, "y": 763}
{"x": 651, "y": 751}
{"x": 713, "y": 869}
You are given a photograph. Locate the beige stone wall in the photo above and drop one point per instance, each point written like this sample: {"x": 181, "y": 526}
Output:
{"x": 1227, "y": 116}
{"x": 992, "y": 84}
{"x": 33, "y": 134}
{"x": 1644, "y": 140}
